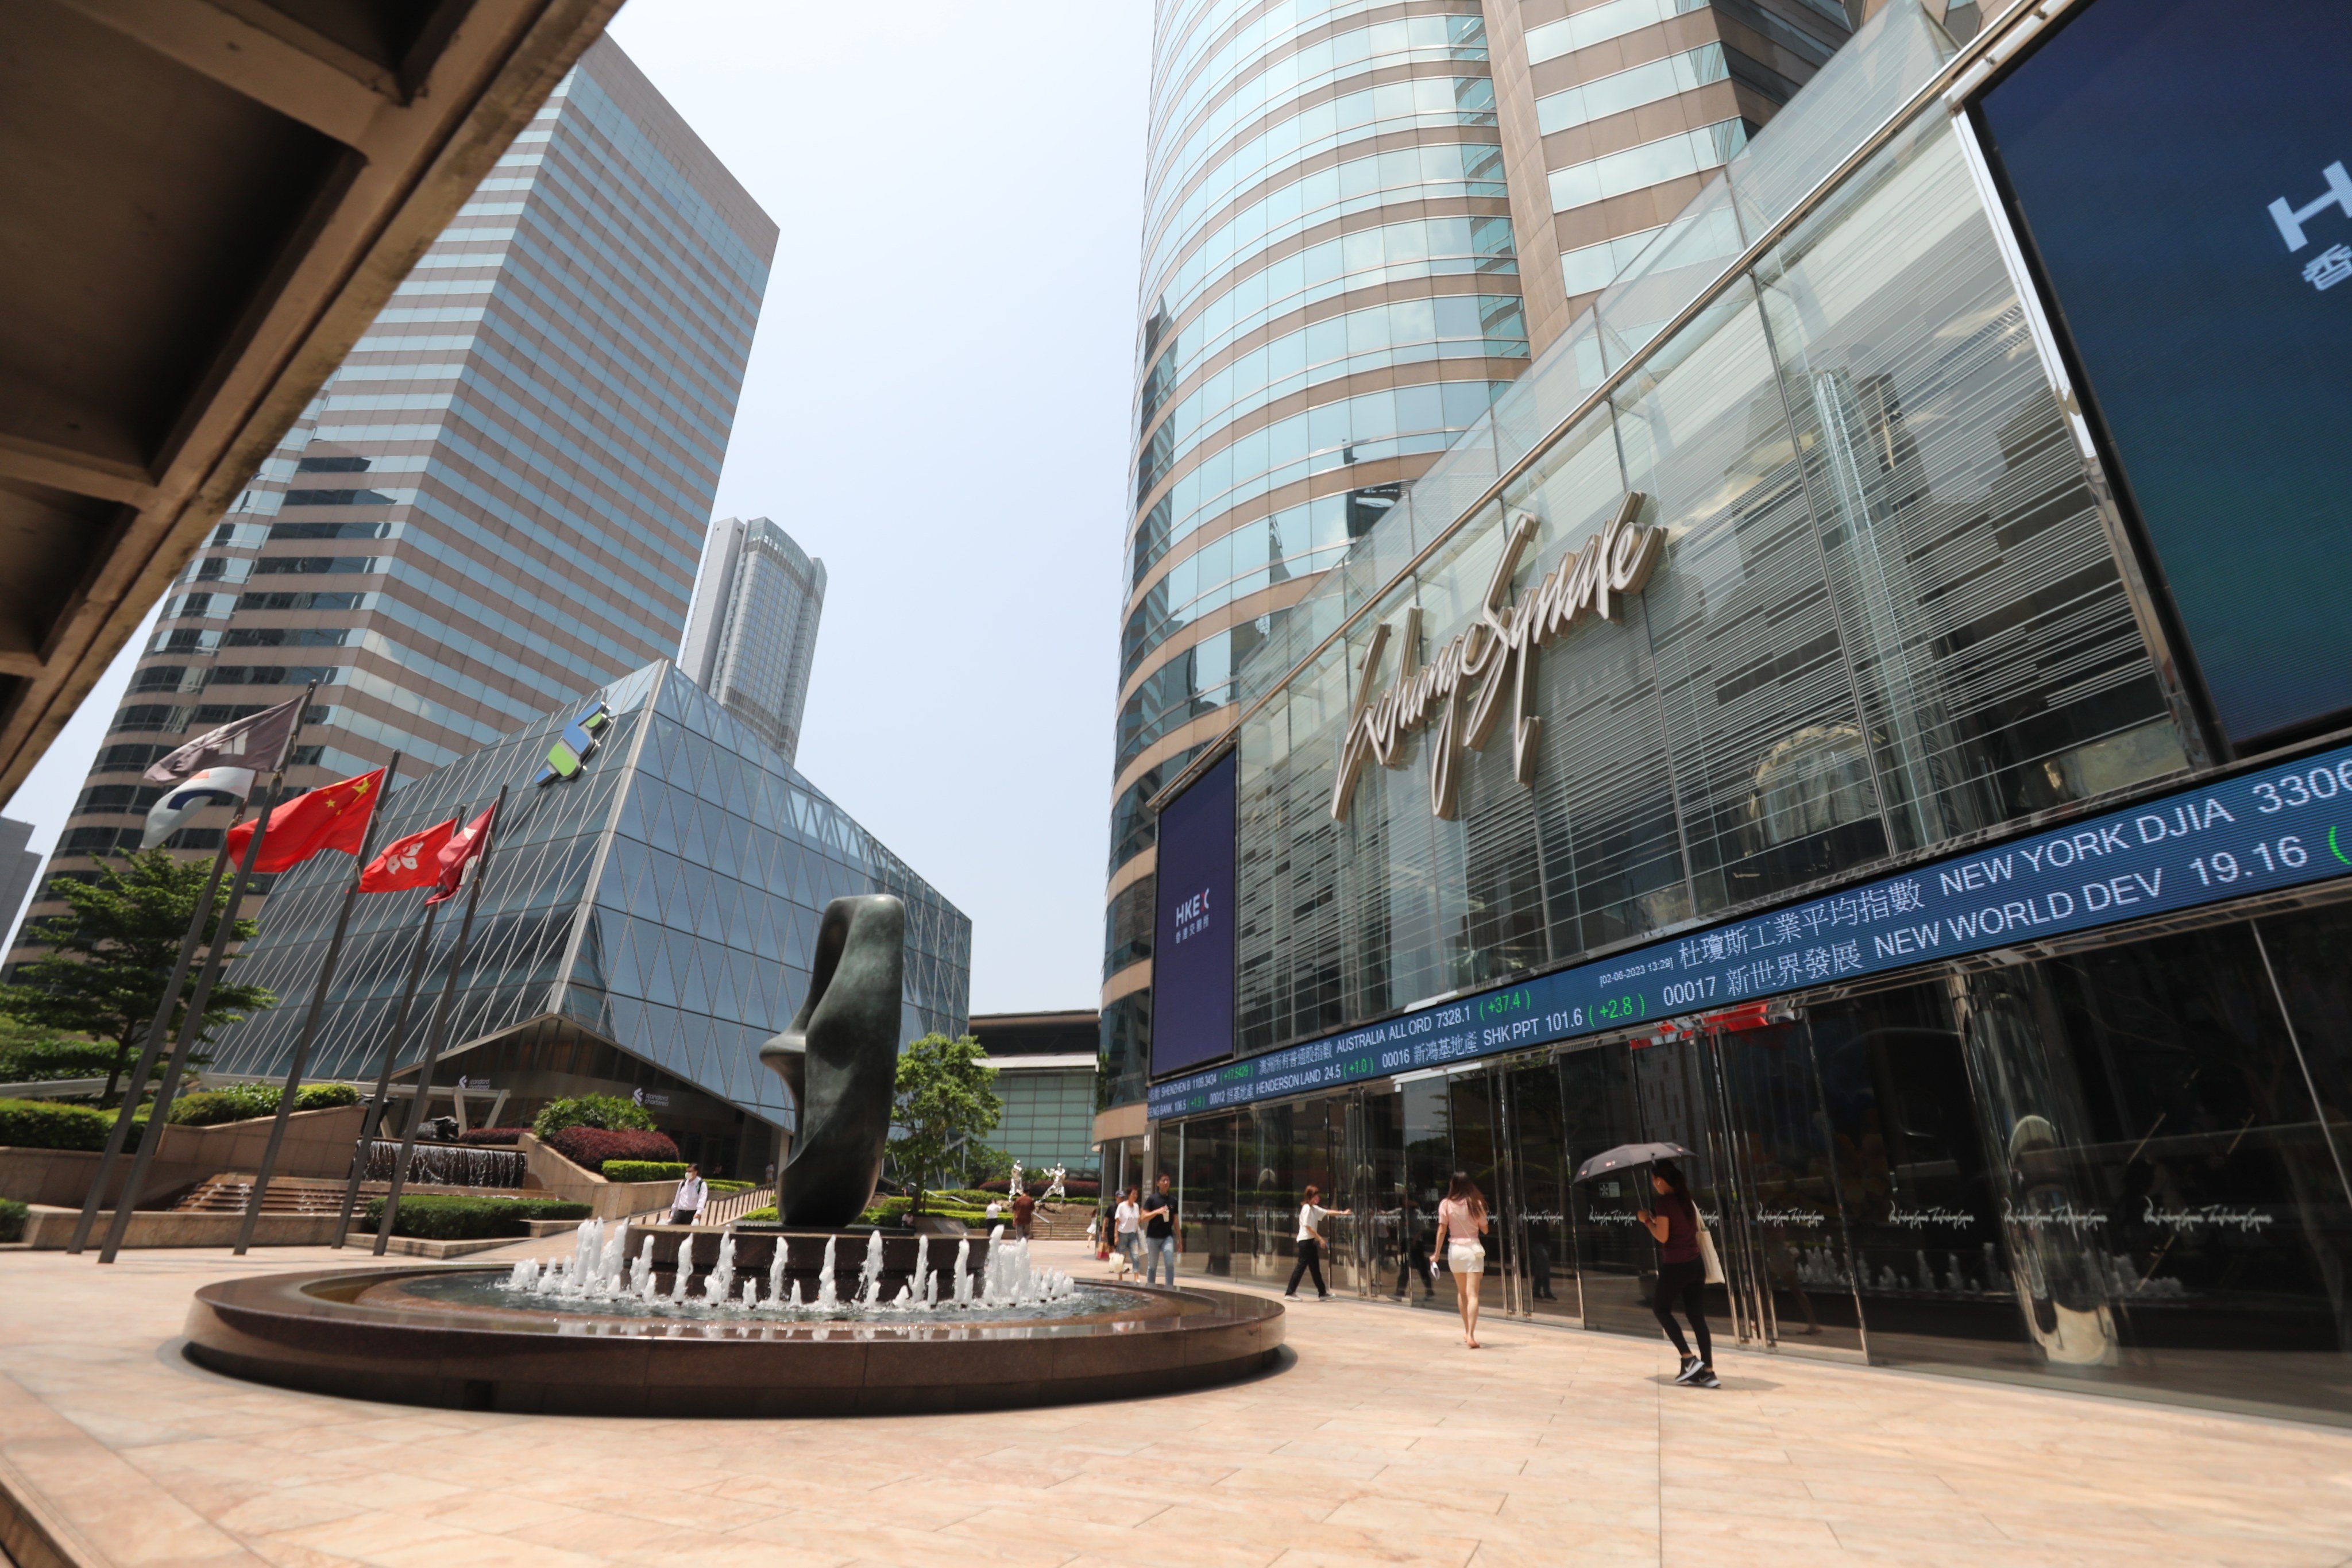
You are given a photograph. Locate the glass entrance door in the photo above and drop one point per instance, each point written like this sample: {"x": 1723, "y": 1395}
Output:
{"x": 1782, "y": 1234}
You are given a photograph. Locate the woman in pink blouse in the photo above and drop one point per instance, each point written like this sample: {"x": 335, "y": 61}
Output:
{"x": 1461, "y": 1221}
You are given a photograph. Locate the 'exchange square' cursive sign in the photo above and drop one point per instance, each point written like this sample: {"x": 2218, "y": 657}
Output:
{"x": 1493, "y": 656}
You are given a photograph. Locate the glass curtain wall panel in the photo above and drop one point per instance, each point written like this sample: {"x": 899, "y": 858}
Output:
{"x": 2000, "y": 667}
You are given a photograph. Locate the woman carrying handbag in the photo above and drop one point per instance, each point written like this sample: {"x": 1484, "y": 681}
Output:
{"x": 1687, "y": 1266}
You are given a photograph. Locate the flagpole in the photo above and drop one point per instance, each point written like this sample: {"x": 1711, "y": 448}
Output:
{"x": 310, "y": 1024}
{"x": 191, "y": 1024}
{"x": 372, "y": 1123}
{"x": 440, "y": 1031}
{"x": 153, "y": 1047}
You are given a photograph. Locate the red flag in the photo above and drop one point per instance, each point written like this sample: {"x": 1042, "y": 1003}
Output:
{"x": 332, "y": 817}
{"x": 458, "y": 856}
{"x": 411, "y": 862}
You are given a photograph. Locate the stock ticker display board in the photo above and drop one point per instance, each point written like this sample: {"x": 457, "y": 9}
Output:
{"x": 2178, "y": 170}
{"x": 2260, "y": 831}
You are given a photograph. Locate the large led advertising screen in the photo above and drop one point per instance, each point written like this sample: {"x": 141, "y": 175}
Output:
{"x": 1193, "y": 927}
{"x": 2179, "y": 173}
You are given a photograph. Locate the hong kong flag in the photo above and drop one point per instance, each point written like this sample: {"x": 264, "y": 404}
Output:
{"x": 459, "y": 857}
{"x": 333, "y": 816}
{"x": 411, "y": 862}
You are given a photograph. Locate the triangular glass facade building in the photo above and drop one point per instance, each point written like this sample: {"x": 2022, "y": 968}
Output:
{"x": 647, "y": 923}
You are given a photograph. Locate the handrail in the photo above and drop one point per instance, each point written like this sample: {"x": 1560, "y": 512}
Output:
{"x": 735, "y": 1205}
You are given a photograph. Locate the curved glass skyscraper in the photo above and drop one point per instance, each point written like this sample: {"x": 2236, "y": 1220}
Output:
{"x": 1330, "y": 295}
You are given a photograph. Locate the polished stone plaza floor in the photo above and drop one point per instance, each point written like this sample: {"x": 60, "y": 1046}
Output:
{"x": 1381, "y": 1442}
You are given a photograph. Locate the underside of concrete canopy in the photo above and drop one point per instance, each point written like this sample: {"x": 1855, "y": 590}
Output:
{"x": 203, "y": 204}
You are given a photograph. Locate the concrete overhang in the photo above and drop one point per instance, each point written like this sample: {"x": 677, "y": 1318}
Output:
{"x": 202, "y": 205}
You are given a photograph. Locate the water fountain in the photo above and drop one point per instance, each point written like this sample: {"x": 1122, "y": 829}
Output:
{"x": 812, "y": 1316}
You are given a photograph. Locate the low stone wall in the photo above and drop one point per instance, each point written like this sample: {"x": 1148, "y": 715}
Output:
{"x": 318, "y": 1143}
{"x": 550, "y": 1174}
{"x": 49, "y": 1227}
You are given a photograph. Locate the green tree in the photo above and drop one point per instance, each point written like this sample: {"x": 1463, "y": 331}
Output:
{"x": 111, "y": 955}
{"x": 946, "y": 1102}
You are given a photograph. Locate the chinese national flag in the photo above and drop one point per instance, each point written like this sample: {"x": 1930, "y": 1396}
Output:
{"x": 333, "y": 816}
{"x": 411, "y": 862}
{"x": 459, "y": 855}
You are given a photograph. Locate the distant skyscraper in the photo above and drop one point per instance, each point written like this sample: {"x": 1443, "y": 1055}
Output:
{"x": 18, "y": 866}
{"x": 752, "y": 635}
{"x": 498, "y": 499}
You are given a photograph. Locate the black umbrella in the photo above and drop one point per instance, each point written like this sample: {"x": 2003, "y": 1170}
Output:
{"x": 1626, "y": 1154}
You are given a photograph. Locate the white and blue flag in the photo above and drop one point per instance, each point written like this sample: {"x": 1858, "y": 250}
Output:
{"x": 209, "y": 787}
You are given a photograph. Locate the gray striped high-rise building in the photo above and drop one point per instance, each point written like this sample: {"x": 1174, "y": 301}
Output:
{"x": 1360, "y": 219}
{"x": 752, "y": 637}
{"x": 498, "y": 501}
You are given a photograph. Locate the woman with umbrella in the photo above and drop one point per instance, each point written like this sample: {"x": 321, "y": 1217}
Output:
{"x": 1683, "y": 1249}
{"x": 1682, "y": 1272}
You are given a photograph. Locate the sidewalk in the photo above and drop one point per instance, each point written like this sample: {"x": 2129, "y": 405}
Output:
{"x": 1383, "y": 1442}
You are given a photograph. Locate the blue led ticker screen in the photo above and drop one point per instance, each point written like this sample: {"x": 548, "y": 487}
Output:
{"x": 2283, "y": 827}
{"x": 2178, "y": 171}
{"x": 1192, "y": 926}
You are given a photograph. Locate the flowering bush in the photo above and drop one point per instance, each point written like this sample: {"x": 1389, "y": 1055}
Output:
{"x": 590, "y": 1147}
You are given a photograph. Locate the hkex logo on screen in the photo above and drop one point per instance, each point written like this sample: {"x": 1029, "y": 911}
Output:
{"x": 1191, "y": 916}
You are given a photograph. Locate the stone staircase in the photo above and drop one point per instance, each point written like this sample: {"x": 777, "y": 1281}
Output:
{"x": 229, "y": 1191}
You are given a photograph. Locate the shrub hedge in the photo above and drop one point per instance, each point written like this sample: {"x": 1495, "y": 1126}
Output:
{"x": 590, "y": 1147}
{"x": 608, "y": 1112}
{"x": 644, "y": 1169}
{"x": 437, "y": 1217}
{"x": 44, "y": 1124}
{"x": 244, "y": 1101}
{"x": 493, "y": 1137}
{"x": 13, "y": 1215}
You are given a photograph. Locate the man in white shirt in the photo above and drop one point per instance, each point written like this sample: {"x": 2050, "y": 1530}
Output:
{"x": 687, "y": 1205}
{"x": 1311, "y": 1216}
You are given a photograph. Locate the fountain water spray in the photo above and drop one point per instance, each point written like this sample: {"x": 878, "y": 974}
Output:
{"x": 721, "y": 1285}
{"x": 600, "y": 1269}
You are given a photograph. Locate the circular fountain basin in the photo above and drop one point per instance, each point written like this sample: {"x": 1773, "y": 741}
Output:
{"x": 452, "y": 1337}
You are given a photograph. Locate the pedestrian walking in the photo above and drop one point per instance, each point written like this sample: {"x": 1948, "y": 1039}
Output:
{"x": 1461, "y": 1221}
{"x": 1160, "y": 1238}
{"x": 1311, "y": 1216}
{"x": 1024, "y": 1209}
{"x": 1682, "y": 1272}
{"x": 686, "y": 1203}
{"x": 1131, "y": 1229}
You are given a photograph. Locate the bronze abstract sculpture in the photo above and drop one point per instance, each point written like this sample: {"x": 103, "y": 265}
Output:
{"x": 840, "y": 1061}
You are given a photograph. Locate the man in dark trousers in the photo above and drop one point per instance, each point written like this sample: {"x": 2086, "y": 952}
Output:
{"x": 1159, "y": 1232}
{"x": 1024, "y": 1209}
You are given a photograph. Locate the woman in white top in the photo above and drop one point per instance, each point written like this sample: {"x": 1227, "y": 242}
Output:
{"x": 1131, "y": 1228}
{"x": 1461, "y": 1221}
{"x": 1311, "y": 1216}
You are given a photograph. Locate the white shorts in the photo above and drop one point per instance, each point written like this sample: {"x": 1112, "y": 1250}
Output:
{"x": 1466, "y": 1258}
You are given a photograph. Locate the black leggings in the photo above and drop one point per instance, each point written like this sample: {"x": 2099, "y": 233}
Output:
{"x": 1310, "y": 1261}
{"x": 1688, "y": 1282}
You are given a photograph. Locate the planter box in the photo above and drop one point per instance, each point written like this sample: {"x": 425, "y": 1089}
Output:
{"x": 48, "y": 1228}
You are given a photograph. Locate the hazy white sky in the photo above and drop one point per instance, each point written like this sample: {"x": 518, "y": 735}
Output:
{"x": 937, "y": 406}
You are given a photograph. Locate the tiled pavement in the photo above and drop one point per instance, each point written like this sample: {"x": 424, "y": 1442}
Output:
{"x": 1381, "y": 1443}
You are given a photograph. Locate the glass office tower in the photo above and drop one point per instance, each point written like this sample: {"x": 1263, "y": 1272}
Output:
{"x": 500, "y": 499}
{"x": 1329, "y": 296}
{"x": 1946, "y": 837}
{"x": 1359, "y": 217}
{"x": 646, "y": 924}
